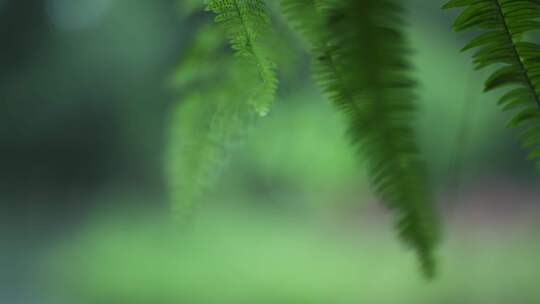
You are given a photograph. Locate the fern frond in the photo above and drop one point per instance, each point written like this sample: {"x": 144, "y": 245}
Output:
{"x": 222, "y": 96}
{"x": 202, "y": 60}
{"x": 245, "y": 23}
{"x": 202, "y": 136}
{"x": 305, "y": 17}
{"x": 503, "y": 25}
{"x": 212, "y": 118}
{"x": 363, "y": 67}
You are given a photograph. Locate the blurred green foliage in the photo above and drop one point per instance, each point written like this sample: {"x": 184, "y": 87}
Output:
{"x": 87, "y": 106}
{"x": 309, "y": 168}
{"x": 232, "y": 256}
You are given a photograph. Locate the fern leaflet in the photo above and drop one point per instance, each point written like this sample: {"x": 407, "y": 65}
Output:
{"x": 246, "y": 23}
{"x": 362, "y": 66}
{"x": 504, "y": 24}
{"x": 211, "y": 119}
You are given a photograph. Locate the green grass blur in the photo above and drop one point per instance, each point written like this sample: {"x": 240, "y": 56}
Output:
{"x": 233, "y": 256}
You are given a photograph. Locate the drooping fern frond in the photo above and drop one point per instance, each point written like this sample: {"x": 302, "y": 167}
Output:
{"x": 362, "y": 65}
{"x": 502, "y": 43}
{"x": 212, "y": 117}
{"x": 246, "y": 23}
{"x": 305, "y": 16}
{"x": 201, "y": 137}
{"x": 222, "y": 95}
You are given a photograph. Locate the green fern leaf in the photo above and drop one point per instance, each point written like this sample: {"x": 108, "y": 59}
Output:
{"x": 502, "y": 43}
{"x": 212, "y": 118}
{"x": 201, "y": 138}
{"x": 246, "y": 23}
{"x": 372, "y": 85}
{"x": 305, "y": 17}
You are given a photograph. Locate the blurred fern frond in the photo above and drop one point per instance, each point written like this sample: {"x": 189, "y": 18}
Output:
{"x": 222, "y": 95}
{"x": 362, "y": 65}
{"x": 246, "y": 23}
{"x": 212, "y": 117}
{"x": 503, "y": 43}
{"x": 201, "y": 137}
{"x": 306, "y": 18}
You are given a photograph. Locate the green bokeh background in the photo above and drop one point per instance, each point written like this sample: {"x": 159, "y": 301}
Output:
{"x": 87, "y": 104}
